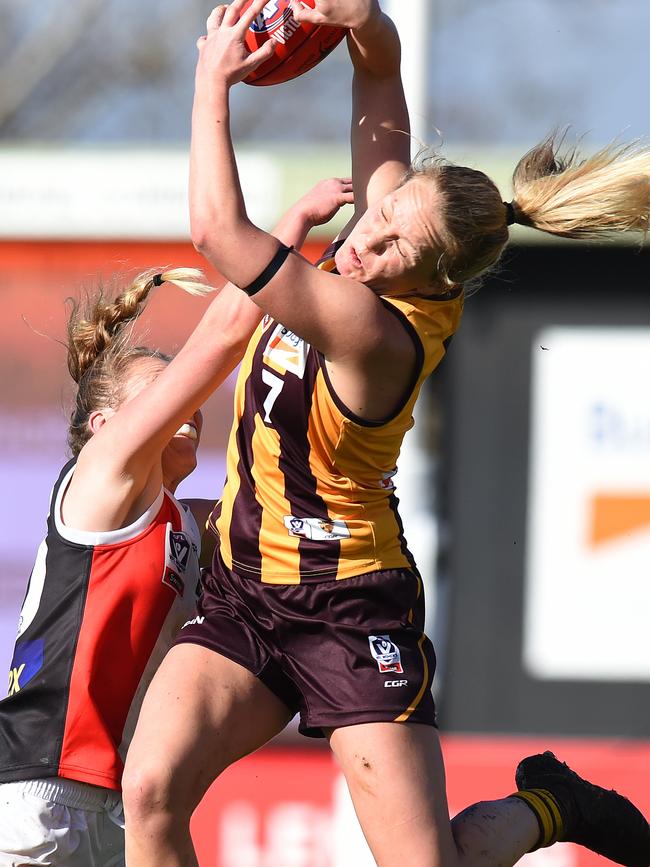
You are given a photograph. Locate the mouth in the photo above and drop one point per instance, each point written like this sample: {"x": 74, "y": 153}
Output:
{"x": 187, "y": 430}
{"x": 354, "y": 256}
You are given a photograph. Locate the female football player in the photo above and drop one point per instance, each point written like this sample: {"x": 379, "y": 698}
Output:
{"x": 315, "y": 605}
{"x": 118, "y": 572}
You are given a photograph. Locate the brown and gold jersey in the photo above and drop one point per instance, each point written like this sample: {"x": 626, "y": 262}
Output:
{"x": 309, "y": 494}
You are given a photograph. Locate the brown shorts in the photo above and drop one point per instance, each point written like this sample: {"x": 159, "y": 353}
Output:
{"x": 338, "y": 652}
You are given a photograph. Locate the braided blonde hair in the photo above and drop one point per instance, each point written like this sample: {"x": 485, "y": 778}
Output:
{"x": 99, "y": 344}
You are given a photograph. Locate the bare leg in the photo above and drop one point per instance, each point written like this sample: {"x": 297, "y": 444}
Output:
{"x": 494, "y": 833}
{"x": 201, "y": 713}
{"x": 396, "y": 778}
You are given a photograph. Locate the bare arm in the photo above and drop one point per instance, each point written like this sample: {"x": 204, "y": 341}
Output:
{"x": 342, "y": 318}
{"x": 122, "y": 459}
{"x": 380, "y": 127}
{"x": 123, "y": 456}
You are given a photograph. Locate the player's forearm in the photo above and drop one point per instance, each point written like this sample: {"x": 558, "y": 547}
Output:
{"x": 220, "y": 227}
{"x": 216, "y": 200}
{"x": 293, "y": 227}
{"x": 375, "y": 47}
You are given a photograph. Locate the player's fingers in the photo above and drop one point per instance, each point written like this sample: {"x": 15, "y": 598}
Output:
{"x": 247, "y": 17}
{"x": 200, "y": 42}
{"x": 304, "y": 13}
{"x": 215, "y": 18}
{"x": 257, "y": 57}
{"x": 233, "y": 12}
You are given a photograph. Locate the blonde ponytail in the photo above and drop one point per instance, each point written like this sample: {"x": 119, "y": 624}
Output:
{"x": 567, "y": 195}
{"x": 556, "y": 190}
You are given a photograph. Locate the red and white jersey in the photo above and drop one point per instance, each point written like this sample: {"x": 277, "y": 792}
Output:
{"x": 101, "y": 611}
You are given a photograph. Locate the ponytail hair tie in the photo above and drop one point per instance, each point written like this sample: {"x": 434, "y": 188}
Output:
{"x": 157, "y": 279}
{"x": 510, "y": 213}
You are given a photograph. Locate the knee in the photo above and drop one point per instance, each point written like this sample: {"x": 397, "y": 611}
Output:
{"x": 149, "y": 790}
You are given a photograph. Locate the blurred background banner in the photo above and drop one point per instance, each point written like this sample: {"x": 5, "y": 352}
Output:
{"x": 589, "y": 505}
{"x": 525, "y": 488}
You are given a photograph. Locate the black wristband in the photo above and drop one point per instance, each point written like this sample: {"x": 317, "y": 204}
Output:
{"x": 269, "y": 272}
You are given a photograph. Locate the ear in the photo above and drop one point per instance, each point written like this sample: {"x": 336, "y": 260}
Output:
{"x": 98, "y": 419}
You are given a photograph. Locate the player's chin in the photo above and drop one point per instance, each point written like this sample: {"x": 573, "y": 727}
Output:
{"x": 180, "y": 454}
{"x": 378, "y": 286}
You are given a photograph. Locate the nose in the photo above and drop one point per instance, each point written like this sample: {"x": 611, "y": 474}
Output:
{"x": 374, "y": 241}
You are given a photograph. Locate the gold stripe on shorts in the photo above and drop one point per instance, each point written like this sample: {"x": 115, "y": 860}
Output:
{"x": 418, "y": 698}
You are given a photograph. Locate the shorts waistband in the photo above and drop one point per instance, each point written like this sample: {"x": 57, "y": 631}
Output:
{"x": 70, "y": 793}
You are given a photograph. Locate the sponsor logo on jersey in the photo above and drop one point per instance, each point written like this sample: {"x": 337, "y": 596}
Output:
{"x": 276, "y": 19}
{"x": 391, "y": 683}
{"x": 318, "y": 529}
{"x": 27, "y": 662}
{"x": 195, "y": 621}
{"x": 386, "y": 653}
{"x": 286, "y": 352}
{"x": 173, "y": 579}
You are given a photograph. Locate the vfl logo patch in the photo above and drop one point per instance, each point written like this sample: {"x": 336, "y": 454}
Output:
{"x": 27, "y": 662}
{"x": 178, "y": 548}
{"x": 286, "y": 352}
{"x": 318, "y": 529}
{"x": 386, "y": 653}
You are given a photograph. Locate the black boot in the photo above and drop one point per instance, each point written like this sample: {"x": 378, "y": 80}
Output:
{"x": 599, "y": 819}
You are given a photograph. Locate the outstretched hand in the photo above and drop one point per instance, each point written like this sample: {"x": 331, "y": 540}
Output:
{"x": 336, "y": 13}
{"x": 223, "y": 51}
{"x": 325, "y": 199}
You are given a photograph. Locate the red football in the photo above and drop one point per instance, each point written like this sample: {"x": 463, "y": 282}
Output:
{"x": 298, "y": 47}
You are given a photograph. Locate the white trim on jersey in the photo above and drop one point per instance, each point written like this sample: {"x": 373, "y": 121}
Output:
{"x": 107, "y": 537}
{"x": 32, "y": 601}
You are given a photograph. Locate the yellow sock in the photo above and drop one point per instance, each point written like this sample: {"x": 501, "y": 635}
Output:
{"x": 547, "y": 812}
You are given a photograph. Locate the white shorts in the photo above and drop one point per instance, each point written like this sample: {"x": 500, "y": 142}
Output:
{"x": 60, "y": 823}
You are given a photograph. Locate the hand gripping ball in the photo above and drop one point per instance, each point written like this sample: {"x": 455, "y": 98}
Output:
{"x": 298, "y": 46}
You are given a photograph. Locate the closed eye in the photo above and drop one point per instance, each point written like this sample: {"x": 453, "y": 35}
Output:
{"x": 394, "y": 238}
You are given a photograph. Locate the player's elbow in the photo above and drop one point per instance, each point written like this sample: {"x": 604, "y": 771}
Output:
{"x": 200, "y": 233}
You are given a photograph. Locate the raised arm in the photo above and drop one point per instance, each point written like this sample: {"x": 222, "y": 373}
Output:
{"x": 380, "y": 127}
{"x": 341, "y": 317}
{"x": 123, "y": 456}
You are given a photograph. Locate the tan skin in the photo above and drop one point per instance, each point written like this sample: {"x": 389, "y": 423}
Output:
{"x": 217, "y": 711}
{"x": 123, "y": 500}
{"x": 151, "y": 438}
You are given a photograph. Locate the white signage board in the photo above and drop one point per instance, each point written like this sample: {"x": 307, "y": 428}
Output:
{"x": 115, "y": 193}
{"x": 587, "y": 582}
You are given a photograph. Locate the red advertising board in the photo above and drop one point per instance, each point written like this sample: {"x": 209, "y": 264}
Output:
{"x": 287, "y": 807}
